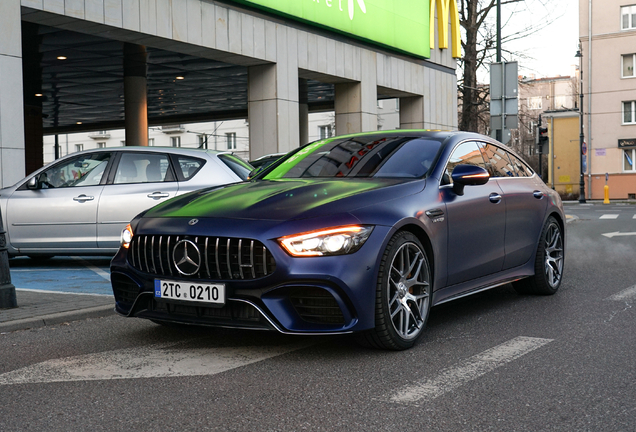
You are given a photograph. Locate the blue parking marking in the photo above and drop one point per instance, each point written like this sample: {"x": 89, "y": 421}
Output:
{"x": 85, "y": 275}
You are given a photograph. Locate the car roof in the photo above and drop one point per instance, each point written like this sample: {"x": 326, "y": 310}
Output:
{"x": 155, "y": 149}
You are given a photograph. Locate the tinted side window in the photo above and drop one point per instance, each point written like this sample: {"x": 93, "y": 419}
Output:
{"x": 86, "y": 170}
{"x": 497, "y": 161}
{"x": 189, "y": 166}
{"x": 141, "y": 168}
{"x": 522, "y": 168}
{"x": 468, "y": 153}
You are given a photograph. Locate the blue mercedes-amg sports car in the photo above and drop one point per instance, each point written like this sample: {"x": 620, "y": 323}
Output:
{"x": 360, "y": 234}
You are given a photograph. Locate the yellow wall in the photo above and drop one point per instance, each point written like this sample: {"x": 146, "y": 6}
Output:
{"x": 564, "y": 162}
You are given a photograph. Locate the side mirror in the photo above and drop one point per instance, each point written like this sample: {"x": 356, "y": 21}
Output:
{"x": 32, "y": 183}
{"x": 468, "y": 175}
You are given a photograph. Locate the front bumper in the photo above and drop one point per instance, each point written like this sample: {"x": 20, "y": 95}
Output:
{"x": 319, "y": 295}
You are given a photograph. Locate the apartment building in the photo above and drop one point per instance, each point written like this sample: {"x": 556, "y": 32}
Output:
{"x": 607, "y": 30}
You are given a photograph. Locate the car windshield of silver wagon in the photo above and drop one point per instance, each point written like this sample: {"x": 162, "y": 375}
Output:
{"x": 402, "y": 157}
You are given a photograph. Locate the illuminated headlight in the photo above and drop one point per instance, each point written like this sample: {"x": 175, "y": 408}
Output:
{"x": 331, "y": 241}
{"x": 126, "y": 236}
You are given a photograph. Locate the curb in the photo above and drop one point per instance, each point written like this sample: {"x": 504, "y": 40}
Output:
{"x": 57, "y": 318}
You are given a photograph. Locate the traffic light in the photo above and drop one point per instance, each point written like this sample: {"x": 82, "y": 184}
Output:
{"x": 542, "y": 140}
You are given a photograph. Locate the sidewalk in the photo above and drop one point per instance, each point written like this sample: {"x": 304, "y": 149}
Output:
{"x": 41, "y": 308}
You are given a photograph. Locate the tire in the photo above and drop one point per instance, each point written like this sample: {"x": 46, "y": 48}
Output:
{"x": 548, "y": 264}
{"x": 403, "y": 295}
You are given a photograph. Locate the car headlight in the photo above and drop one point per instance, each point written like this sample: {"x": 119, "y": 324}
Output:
{"x": 126, "y": 236}
{"x": 330, "y": 241}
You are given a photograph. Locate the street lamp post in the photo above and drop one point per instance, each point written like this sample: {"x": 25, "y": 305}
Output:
{"x": 579, "y": 54}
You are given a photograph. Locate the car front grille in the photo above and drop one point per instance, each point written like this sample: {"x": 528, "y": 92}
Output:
{"x": 221, "y": 258}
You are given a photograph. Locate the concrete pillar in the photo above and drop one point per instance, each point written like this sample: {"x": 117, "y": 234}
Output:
{"x": 303, "y": 110}
{"x": 135, "y": 95}
{"x": 356, "y": 103}
{"x": 11, "y": 103}
{"x": 273, "y": 111}
{"x": 412, "y": 112}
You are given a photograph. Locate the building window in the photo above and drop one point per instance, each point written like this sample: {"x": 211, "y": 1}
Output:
{"x": 324, "y": 131}
{"x": 628, "y": 62}
{"x": 628, "y": 17}
{"x": 151, "y": 142}
{"x": 535, "y": 103}
{"x": 629, "y": 112}
{"x": 231, "y": 140}
{"x": 79, "y": 147}
{"x": 628, "y": 160}
{"x": 101, "y": 145}
{"x": 175, "y": 141}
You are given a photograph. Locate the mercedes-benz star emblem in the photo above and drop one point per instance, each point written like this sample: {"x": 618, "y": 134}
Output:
{"x": 186, "y": 257}
{"x": 193, "y": 221}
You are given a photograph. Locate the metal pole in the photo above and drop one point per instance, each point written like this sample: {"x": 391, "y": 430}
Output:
{"x": 498, "y": 31}
{"x": 581, "y": 140}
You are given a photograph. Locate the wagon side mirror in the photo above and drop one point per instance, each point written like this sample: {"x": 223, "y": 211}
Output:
{"x": 468, "y": 175}
{"x": 32, "y": 183}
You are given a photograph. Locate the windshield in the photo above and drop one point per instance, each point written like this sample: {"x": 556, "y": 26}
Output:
{"x": 403, "y": 157}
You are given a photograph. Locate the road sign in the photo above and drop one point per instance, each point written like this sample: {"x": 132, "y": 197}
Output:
{"x": 504, "y": 107}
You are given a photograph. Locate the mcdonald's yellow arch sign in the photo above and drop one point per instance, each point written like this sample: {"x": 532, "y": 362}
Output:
{"x": 403, "y": 25}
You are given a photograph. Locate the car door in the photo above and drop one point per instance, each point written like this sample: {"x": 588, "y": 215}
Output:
{"x": 475, "y": 220}
{"x": 139, "y": 181}
{"x": 525, "y": 203}
{"x": 61, "y": 212}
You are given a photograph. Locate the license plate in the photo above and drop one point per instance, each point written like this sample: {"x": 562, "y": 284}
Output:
{"x": 190, "y": 291}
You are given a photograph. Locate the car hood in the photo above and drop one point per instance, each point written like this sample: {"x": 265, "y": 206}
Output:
{"x": 284, "y": 199}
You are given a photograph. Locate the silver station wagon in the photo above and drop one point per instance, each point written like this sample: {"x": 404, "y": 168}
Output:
{"x": 79, "y": 204}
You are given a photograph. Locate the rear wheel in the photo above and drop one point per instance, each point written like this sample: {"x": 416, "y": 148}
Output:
{"x": 403, "y": 295}
{"x": 548, "y": 265}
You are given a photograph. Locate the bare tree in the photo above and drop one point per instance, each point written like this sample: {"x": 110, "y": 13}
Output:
{"x": 477, "y": 18}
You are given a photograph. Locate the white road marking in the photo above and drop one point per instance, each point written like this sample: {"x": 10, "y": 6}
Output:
{"x": 609, "y": 216}
{"x": 100, "y": 272}
{"x": 455, "y": 376}
{"x": 626, "y": 294}
{"x": 153, "y": 361}
{"x": 634, "y": 217}
{"x": 619, "y": 234}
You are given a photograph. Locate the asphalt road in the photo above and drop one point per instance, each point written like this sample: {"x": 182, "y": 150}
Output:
{"x": 494, "y": 361}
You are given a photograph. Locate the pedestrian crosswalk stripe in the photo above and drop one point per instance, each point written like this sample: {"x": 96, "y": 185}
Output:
{"x": 626, "y": 294}
{"x": 151, "y": 361}
{"x": 468, "y": 370}
{"x": 609, "y": 216}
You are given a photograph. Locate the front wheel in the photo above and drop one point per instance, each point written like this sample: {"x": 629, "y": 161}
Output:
{"x": 548, "y": 265}
{"x": 403, "y": 295}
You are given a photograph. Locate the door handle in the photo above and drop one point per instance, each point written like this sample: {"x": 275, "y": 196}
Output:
{"x": 83, "y": 198}
{"x": 495, "y": 198}
{"x": 157, "y": 195}
{"x": 538, "y": 194}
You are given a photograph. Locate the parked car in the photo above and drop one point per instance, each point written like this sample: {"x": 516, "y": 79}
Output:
{"x": 264, "y": 161}
{"x": 79, "y": 204}
{"x": 360, "y": 233}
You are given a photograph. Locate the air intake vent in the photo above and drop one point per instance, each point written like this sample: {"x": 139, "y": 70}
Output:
{"x": 219, "y": 258}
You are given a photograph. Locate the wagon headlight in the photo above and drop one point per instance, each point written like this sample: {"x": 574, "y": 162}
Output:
{"x": 331, "y": 241}
{"x": 126, "y": 236}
